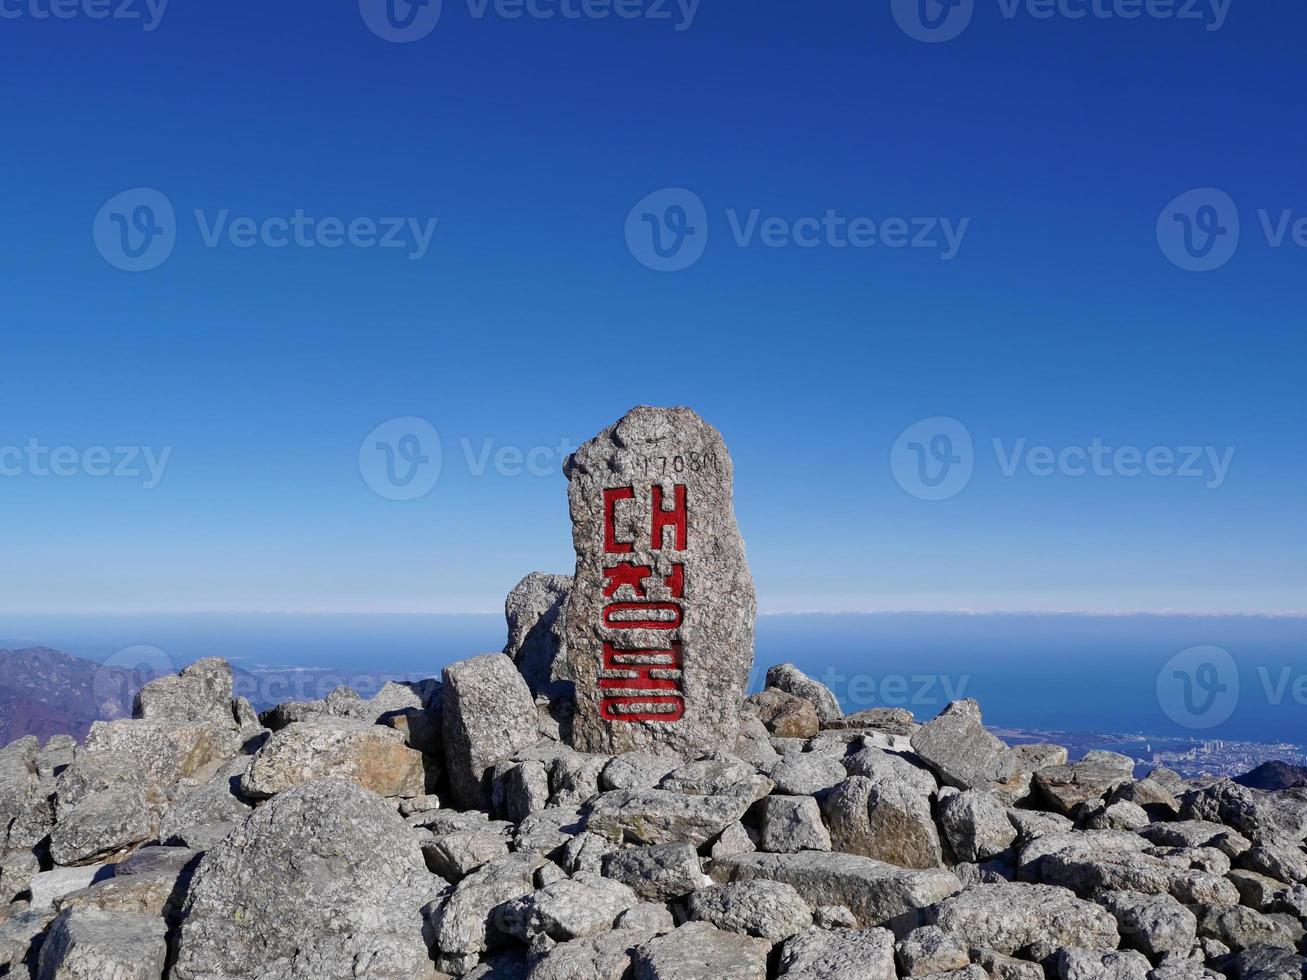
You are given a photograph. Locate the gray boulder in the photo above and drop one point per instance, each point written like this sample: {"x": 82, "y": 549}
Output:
{"x": 534, "y": 611}
{"x": 769, "y": 910}
{"x": 961, "y": 751}
{"x": 1094, "y": 964}
{"x": 572, "y": 908}
{"x": 489, "y": 714}
{"x": 884, "y": 820}
{"x": 1153, "y": 924}
{"x": 875, "y": 892}
{"x": 791, "y": 680}
{"x": 787, "y": 824}
{"x": 88, "y": 944}
{"x": 373, "y": 756}
{"x": 700, "y": 951}
{"x": 681, "y": 585}
{"x": 976, "y": 825}
{"x": 806, "y": 774}
{"x": 846, "y": 954}
{"x": 660, "y": 817}
{"x": 1012, "y": 917}
{"x": 1064, "y": 788}
{"x": 718, "y": 775}
{"x": 784, "y": 715}
{"x": 659, "y": 873}
{"x": 929, "y": 950}
{"x": 636, "y": 770}
{"x": 324, "y": 880}
{"x": 462, "y": 924}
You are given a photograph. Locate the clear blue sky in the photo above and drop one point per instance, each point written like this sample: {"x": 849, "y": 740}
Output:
{"x": 529, "y": 321}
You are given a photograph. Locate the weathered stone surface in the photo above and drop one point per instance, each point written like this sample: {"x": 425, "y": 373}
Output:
{"x": 455, "y": 856}
{"x": 787, "y": 824}
{"x": 1093, "y": 964}
{"x": 86, "y": 944}
{"x": 1012, "y": 917}
{"x": 202, "y": 692}
{"x": 735, "y": 839}
{"x": 1198, "y": 833}
{"x": 373, "y": 756}
{"x": 1035, "y": 756}
{"x": 961, "y": 751}
{"x": 652, "y": 917}
{"x": 1093, "y": 862}
{"x": 636, "y": 770}
{"x": 1253, "y": 814}
{"x": 47, "y": 887}
{"x": 1066, "y": 787}
{"x": 883, "y": 820}
{"x": 767, "y": 909}
{"x": 602, "y": 957}
{"x": 324, "y": 880}
{"x": 1269, "y": 963}
{"x": 699, "y": 951}
{"x": 21, "y": 936}
{"x": 785, "y": 715}
{"x": 834, "y": 917}
{"x": 153, "y": 882}
{"x": 791, "y": 680}
{"x": 805, "y": 774}
{"x": 1282, "y": 861}
{"x": 659, "y": 816}
{"x": 1003, "y": 967}
{"x": 208, "y": 811}
{"x": 929, "y": 949}
{"x": 658, "y": 873}
{"x": 976, "y": 825}
{"x": 489, "y": 714}
{"x": 688, "y": 569}
{"x": 846, "y": 954}
{"x": 718, "y": 775}
{"x": 877, "y": 893}
{"x": 534, "y": 611}
{"x": 1242, "y": 928}
{"x": 572, "y": 908}
{"x": 1152, "y": 795}
{"x": 519, "y": 789}
{"x": 17, "y": 869}
{"x": 162, "y": 753}
{"x": 549, "y": 830}
{"x": 880, "y": 766}
{"x": 574, "y": 778}
{"x": 1153, "y": 924}
{"x": 18, "y": 779}
{"x": 1121, "y": 815}
{"x": 106, "y": 821}
{"x": 462, "y": 924}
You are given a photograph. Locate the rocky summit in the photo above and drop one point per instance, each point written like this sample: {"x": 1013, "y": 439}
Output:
{"x": 499, "y": 823}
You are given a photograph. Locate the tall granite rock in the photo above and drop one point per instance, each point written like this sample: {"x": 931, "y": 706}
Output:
{"x": 659, "y": 625}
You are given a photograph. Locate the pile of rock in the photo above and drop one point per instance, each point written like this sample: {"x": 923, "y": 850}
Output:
{"x": 496, "y": 823}
{"x": 194, "y": 843}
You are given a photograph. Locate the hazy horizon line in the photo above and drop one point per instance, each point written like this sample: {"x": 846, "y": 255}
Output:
{"x": 1103, "y": 613}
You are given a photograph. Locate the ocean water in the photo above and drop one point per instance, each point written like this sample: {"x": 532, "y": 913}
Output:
{"x": 1070, "y": 673}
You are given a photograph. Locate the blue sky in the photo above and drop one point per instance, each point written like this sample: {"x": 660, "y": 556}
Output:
{"x": 529, "y": 321}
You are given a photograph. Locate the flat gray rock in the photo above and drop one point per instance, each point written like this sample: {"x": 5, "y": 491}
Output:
{"x": 976, "y": 825}
{"x": 787, "y": 824}
{"x": 769, "y": 910}
{"x": 1008, "y": 918}
{"x": 661, "y": 817}
{"x": 92, "y": 945}
{"x": 373, "y": 756}
{"x": 876, "y": 893}
{"x": 699, "y": 951}
{"x": 662, "y": 605}
{"x": 840, "y": 954}
{"x": 658, "y": 873}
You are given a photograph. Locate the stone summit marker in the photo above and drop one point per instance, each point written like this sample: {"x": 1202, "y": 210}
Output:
{"x": 660, "y": 620}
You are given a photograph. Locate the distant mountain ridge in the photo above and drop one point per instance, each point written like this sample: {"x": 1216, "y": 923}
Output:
{"x": 44, "y": 692}
{"x": 1274, "y": 775}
